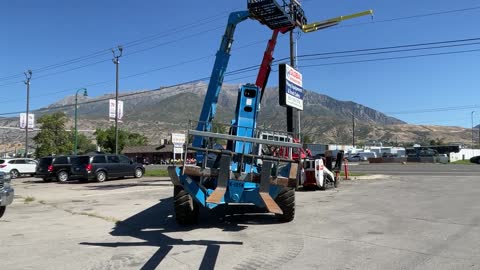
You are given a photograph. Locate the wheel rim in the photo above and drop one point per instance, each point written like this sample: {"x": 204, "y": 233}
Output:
{"x": 138, "y": 173}
{"x": 14, "y": 174}
{"x": 63, "y": 177}
{"x": 101, "y": 176}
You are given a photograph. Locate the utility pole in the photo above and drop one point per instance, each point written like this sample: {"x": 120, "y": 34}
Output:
{"x": 353, "y": 128}
{"x": 473, "y": 142}
{"x": 28, "y": 77}
{"x": 116, "y": 62}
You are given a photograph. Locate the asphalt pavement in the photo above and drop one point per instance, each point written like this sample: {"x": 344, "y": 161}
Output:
{"x": 395, "y": 222}
{"x": 420, "y": 169}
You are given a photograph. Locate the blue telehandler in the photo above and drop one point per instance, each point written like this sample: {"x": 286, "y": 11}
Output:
{"x": 244, "y": 171}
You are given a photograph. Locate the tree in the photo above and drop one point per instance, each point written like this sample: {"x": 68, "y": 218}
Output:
{"x": 84, "y": 144}
{"x": 53, "y": 139}
{"x": 106, "y": 139}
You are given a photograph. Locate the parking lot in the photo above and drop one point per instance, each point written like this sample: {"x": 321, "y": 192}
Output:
{"x": 399, "y": 221}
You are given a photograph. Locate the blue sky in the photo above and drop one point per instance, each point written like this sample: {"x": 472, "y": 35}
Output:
{"x": 184, "y": 36}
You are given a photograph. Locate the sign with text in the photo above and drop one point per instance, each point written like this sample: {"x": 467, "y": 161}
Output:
{"x": 290, "y": 87}
{"x": 23, "y": 120}
{"x": 178, "y": 139}
{"x": 111, "y": 110}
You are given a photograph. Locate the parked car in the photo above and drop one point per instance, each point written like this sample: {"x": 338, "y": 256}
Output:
{"x": 18, "y": 166}
{"x": 6, "y": 192}
{"x": 475, "y": 160}
{"x": 354, "y": 158}
{"x": 55, "y": 168}
{"x": 100, "y": 167}
{"x": 362, "y": 156}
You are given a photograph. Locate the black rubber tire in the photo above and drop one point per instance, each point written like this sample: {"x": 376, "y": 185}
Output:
{"x": 186, "y": 209}
{"x": 138, "y": 173}
{"x": 2, "y": 210}
{"x": 100, "y": 176}
{"x": 62, "y": 176}
{"x": 14, "y": 174}
{"x": 286, "y": 202}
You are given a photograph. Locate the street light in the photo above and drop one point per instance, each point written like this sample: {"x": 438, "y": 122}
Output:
{"x": 116, "y": 62}
{"x": 76, "y": 131}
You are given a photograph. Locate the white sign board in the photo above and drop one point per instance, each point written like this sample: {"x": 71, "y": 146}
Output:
{"x": 177, "y": 150}
{"x": 291, "y": 87}
{"x": 178, "y": 139}
{"x": 111, "y": 110}
{"x": 23, "y": 120}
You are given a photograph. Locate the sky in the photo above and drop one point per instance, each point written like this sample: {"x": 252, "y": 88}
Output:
{"x": 67, "y": 45}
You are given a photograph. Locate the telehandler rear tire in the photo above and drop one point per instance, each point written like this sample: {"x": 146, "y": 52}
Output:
{"x": 186, "y": 209}
{"x": 286, "y": 201}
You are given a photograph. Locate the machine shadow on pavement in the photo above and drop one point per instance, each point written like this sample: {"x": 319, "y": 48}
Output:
{"x": 151, "y": 224}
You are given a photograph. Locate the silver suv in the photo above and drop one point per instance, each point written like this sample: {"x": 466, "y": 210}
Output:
{"x": 6, "y": 192}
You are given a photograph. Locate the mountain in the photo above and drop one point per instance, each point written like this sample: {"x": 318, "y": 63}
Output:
{"x": 160, "y": 112}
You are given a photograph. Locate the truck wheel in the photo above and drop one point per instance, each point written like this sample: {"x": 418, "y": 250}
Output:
{"x": 286, "y": 201}
{"x": 2, "y": 210}
{"x": 62, "y": 176}
{"x": 186, "y": 209}
{"x": 101, "y": 176}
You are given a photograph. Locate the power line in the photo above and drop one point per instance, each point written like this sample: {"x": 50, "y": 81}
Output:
{"x": 412, "y": 16}
{"x": 441, "y": 109}
{"x": 128, "y": 44}
{"x": 388, "y": 58}
{"x": 371, "y": 50}
{"x": 194, "y": 24}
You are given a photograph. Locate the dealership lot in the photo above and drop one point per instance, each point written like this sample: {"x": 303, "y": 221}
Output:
{"x": 410, "y": 221}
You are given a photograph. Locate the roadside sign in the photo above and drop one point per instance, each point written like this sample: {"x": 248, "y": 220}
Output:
{"x": 178, "y": 139}
{"x": 23, "y": 120}
{"x": 290, "y": 87}
{"x": 111, "y": 110}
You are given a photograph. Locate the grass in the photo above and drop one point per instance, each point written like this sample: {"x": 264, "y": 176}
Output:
{"x": 466, "y": 161}
{"x": 157, "y": 172}
{"x": 28, "y": 199}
